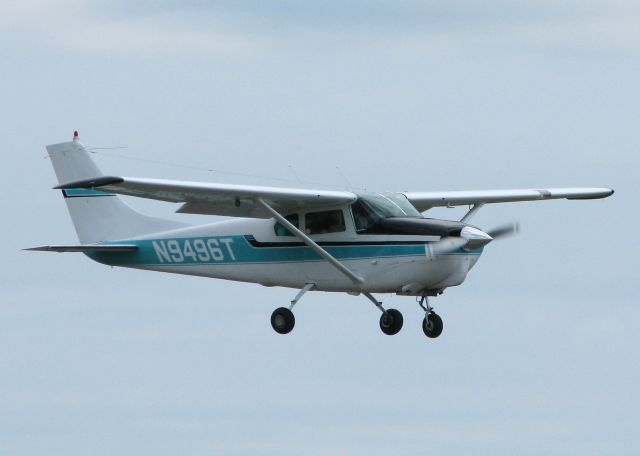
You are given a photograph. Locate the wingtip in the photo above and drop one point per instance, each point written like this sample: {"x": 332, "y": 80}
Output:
{"x": 605, "y": 193}
{"x": 43, "y": 248}
{"x": 594, "y": 193}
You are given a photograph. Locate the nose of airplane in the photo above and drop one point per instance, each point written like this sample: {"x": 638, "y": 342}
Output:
{"x": 475, "y": 237}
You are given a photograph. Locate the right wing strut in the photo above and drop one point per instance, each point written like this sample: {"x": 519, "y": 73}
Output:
{"x": 311, "y": 243}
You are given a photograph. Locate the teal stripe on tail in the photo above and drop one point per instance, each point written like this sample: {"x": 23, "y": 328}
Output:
{"x": 84, "y": 192}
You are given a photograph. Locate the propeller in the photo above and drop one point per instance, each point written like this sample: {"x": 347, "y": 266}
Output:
{"x": 504, "y": 230}
{"x": 445, "y": 245}
{"x": 470, "y": 238}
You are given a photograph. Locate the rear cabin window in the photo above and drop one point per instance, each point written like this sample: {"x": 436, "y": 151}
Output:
{"x": 324, "y": 222}
{"x": 282, "y": 231}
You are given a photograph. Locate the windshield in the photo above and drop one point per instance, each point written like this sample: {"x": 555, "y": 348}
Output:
{"x": 371, "y": 207}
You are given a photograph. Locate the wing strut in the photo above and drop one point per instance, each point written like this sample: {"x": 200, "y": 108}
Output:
{"x": 313, "y": 245}
{"x": 476, "y": 207}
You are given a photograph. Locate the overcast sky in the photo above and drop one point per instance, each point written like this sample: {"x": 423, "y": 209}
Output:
{"x": 539, "y": 350}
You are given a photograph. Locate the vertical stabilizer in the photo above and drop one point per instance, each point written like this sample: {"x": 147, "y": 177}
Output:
{"x": 98, "y": 216}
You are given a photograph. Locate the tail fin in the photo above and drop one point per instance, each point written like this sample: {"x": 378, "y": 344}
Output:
{"x": 98, "y": 216}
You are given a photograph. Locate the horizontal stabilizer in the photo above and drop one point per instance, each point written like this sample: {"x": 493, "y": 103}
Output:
{"x": 86, "y": 248}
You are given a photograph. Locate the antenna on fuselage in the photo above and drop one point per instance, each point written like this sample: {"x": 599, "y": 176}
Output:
{"x": 296, "y": 175}
{"x": 346, "y": 181}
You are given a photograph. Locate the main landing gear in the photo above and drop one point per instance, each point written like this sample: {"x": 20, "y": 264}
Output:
{"x": 391, "y": 322}
{"x": 391, "y": 319}
{"x": 283, "y": 321}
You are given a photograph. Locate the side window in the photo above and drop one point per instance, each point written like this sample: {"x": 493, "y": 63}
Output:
{"x": 281, "y": 230}
{"x": 324, "y": 222}
{"x": 361, "y": 216}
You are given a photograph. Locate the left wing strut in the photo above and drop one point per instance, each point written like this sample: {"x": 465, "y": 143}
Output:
{"x": 310, "y": 242}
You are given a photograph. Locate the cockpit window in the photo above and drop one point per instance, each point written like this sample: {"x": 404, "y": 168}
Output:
{"x": 324, "y": 222}
{"x": 372, "y": 207}
{"x": 403, "y": 203}
{"x": 281, "y": 230}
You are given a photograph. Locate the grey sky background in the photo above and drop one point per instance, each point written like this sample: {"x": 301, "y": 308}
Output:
{"x": 539, "y": 352}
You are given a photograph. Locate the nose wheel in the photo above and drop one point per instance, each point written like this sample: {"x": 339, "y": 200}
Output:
{"x": 432, "y": 323}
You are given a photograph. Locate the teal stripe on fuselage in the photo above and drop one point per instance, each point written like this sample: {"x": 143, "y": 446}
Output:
{"x": 237, "y": 250}
{"x": 84, "y": 192}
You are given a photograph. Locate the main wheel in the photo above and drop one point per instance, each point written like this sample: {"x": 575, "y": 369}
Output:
{"x": 282, "y": 320}
{"x": 391, "y": 322}
{"x": 432, "y": 325}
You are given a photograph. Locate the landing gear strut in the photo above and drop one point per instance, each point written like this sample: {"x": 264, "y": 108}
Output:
{"x": 432, "y": 323}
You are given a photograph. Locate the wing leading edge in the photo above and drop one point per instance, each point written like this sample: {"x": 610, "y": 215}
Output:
{"x": 426, "y": 200}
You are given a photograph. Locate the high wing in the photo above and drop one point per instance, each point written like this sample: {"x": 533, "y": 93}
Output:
{"x": 426, "y": 200}
{"x": 216, "y": 199}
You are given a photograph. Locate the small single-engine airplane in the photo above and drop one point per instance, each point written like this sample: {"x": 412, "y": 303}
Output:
{"x": 340, "y": 241}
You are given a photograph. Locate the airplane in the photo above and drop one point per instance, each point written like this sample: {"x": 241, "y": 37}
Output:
{"x": 320, "y": 240}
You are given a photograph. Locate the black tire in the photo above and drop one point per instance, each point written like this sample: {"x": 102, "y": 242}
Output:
{"x": 432, "y": 328}
{"x": 282, "y": 320}
{"x": 391, "y": 322}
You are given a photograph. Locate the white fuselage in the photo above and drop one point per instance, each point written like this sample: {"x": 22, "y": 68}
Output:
{"x": 249, "y": 250}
